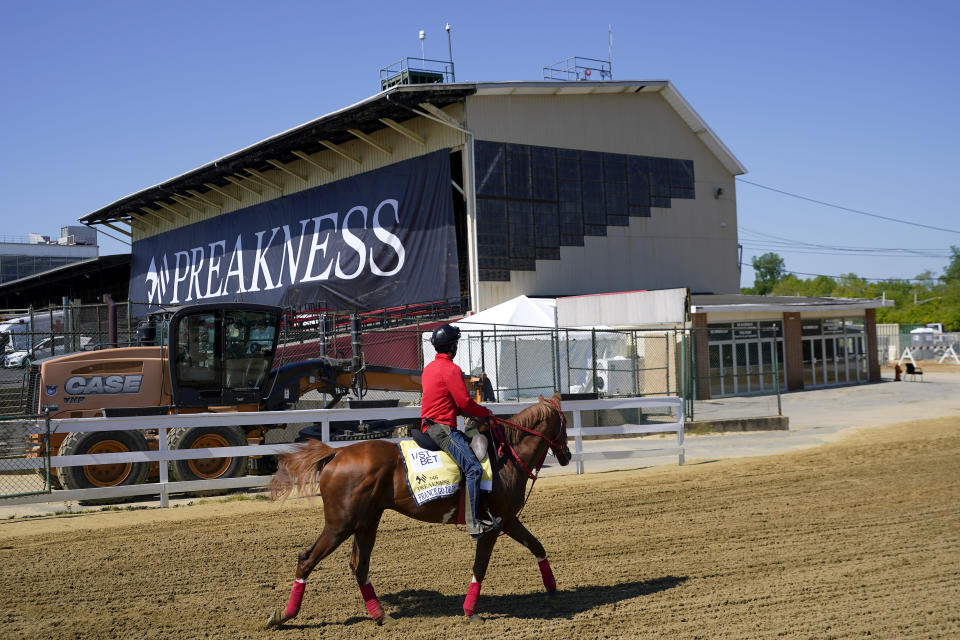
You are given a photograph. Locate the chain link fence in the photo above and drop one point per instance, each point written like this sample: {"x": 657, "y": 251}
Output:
{"x": 28, "y": 335}
{"x": 18, "y": 445}
{"x": 710, "y": 372}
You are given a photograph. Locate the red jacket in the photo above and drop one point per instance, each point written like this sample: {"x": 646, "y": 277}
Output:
{"x": 445, "y": 395}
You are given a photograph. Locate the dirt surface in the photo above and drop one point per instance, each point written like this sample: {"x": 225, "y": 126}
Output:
{"x": 853, "y": 538}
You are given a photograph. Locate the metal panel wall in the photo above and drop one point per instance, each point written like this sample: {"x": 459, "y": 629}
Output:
{"x": 693, "y": 244}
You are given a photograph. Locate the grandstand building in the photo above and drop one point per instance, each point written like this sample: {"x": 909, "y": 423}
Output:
{"x": 468, "y": 194}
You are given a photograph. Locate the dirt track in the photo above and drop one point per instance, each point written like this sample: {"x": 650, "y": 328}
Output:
{"x": 859, "y": 537}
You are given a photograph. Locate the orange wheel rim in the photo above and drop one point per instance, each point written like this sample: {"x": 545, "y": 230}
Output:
{"x": 209, "y": 468}
{"x": 108, "y": 475}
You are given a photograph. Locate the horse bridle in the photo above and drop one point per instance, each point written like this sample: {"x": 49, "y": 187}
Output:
{"x": 552, "y": 444}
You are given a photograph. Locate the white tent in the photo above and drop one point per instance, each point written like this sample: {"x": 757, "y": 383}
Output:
{"x": 518, "y": 312}
{"x": 516, "y": 343}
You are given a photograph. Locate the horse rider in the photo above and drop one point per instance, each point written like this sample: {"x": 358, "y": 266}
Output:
{"x": 444, "y": 397}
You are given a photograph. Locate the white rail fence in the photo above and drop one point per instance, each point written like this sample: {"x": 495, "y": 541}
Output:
{"x": 164, "y": 487}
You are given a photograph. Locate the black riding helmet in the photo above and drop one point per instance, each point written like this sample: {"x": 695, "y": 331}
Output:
{"x": 445, "y": 335}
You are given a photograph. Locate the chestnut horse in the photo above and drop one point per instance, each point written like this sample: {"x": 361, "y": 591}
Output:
{"x": 360, "y": 481}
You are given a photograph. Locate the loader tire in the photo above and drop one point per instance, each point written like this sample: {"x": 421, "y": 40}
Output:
{"x": 103, "y": 475}
{"x": 203, "y": 438}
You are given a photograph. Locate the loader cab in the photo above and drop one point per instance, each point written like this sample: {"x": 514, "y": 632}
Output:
{"x": 221, "y": 354}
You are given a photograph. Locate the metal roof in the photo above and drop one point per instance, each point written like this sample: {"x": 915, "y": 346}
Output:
{"x": 395, "y": 104}
{"x": 364, "y": 116}
{"x": 716, "y": 303}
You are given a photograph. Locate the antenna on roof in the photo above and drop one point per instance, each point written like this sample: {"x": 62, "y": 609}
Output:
{"x": 423, "y": 36}
{"x": 610, "y": 49}
{"x": 453, "y": 76}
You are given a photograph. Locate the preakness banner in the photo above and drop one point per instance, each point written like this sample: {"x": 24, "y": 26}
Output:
{"x": 376, "y": 240}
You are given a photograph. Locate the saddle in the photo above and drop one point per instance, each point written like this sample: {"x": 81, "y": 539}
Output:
{"x": 479, "y": 443}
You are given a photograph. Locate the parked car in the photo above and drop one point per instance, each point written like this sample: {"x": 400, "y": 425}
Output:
{"x": 22, "y": 358}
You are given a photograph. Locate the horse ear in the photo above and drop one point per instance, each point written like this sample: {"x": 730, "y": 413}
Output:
{"x": 541, "y": 398}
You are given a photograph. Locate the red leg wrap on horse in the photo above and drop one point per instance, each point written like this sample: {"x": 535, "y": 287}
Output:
{"x": 296, "y": 597}
{"x": 547, "y": 574}
{"x": 470, "y": 602}
{"x": 370, "y": 599}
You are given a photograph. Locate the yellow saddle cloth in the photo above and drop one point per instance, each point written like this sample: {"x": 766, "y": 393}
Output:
{"x": 434, "y": 474}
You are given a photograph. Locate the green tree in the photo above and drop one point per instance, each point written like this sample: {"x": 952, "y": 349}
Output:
{"x": 952, "y": 271}
{"x": 768, "y": 271}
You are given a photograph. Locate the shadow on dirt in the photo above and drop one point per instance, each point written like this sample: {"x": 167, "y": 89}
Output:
{"x": 417, "y": 603}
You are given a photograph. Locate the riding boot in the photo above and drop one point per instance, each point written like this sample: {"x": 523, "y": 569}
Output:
{"x": 476, "y": 524}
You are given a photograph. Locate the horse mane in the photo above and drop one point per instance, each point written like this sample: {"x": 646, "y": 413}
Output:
{"x": 529, "y": 418}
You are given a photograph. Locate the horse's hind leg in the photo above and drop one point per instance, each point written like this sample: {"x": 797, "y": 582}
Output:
{"x": 519, "y": 533}
{"x": 330, "y": 538}
{"x": 363, "y": 541}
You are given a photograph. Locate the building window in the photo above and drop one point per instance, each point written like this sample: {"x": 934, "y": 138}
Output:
{"x": 744, "y": 357}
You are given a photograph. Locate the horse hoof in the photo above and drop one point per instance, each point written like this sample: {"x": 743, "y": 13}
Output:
{"x": 386, "y": 619}
{"x": 276, "y": 619}
{"x": 475, "y": 619}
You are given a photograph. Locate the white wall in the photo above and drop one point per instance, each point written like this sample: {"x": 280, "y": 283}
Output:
{"x": 693, "y": 244}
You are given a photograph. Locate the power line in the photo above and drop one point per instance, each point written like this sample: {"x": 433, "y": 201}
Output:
{"x": 826, "y": 252}
{"x": 842, "y": 277}
{"x": 767, "y": 239}
{"x": 857, "y": 211}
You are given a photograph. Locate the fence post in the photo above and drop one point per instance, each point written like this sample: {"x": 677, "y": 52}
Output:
{"x": 593, "y": 360}
{"x": 163, "y": 464}
{"x": 693, "y": 373}
{"x": 496, "y": 362}
{"x": 666, "y": 357}
{"x": 111, "y": 320}
{"x": 683, "y": 367}
{"x": 516, "y": 365}
{"x": 776, "y": 372}
{"x": 555, "y": 358}
{"x": 52, "y": 341}
{"x": 680, "y": 434}
{"x": 69, "y": 340}
{"x": 483, "y": 355}
{"x": 578, "y": 439}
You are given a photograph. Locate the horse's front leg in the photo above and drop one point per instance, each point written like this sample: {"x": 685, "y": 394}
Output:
{"x": 519, "y": 533}
{"x": 485, "y": 545}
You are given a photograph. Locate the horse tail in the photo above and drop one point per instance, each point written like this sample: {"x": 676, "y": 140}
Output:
{"x": 299, "y": 473}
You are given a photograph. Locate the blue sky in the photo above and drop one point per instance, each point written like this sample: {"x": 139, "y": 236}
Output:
{"x": 849, "y": 103}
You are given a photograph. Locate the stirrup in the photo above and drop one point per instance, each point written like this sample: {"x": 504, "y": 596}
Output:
{"x": 486, "y": 525}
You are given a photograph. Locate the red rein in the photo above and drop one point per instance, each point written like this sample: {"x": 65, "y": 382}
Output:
{"x": 552, "y": 444}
